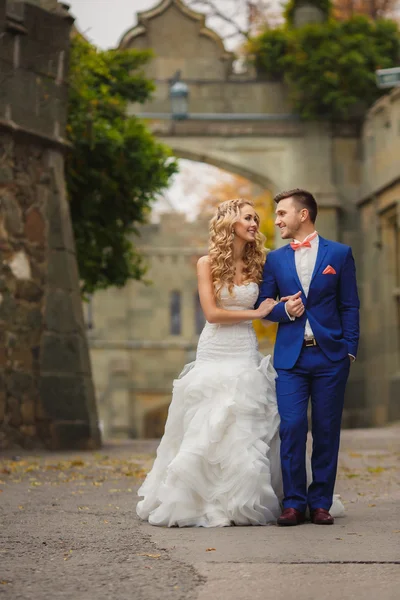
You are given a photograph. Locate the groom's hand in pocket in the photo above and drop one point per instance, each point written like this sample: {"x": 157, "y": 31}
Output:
{"x": 294, "y": 305}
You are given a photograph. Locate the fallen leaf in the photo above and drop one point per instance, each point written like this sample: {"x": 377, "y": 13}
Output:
{"x": 21, "y": 507}
{"x": 355, "y": 455}
{"x": 371, "y": 505}
{"x": 210, "y": 549}
{"x": 396, "y": 531}
{"x": 148, "y": 555}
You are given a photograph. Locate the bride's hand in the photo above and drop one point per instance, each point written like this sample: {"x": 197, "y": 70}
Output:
{"x": 265, "y": 308}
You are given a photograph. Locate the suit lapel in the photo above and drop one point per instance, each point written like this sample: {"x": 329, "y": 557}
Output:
{"x": 322, "y": 250}
{"x": 292, "y": 265}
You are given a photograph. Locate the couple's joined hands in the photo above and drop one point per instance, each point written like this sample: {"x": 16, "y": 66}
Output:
{"x": 294, "y": 306}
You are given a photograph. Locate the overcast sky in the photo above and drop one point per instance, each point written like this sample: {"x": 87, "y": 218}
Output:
{"x": 105, "y": 21}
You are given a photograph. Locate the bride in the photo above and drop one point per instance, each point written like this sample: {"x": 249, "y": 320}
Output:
{"x": 218, "y": 462}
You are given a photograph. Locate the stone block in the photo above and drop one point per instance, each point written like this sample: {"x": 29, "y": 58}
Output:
{"x": 394, "y": 399}
{"x": 59, "y": 312}
{"x": 11, "y": 211}
{"x": 63, "y": 353}
{"x": 14, "y": 418}
{"x": 74, "y": 435}
{"x": 27, "y": 317}
{"x": 6, "y": 174}
{"x": 28, "y": 431}
{"x": 21, "y": 358}
{"x": 3, "y": 398}
{"x": 2, "y": 14}
{"x": 65, "y": 397}
{"x": 20, "y": 385}
{"x": 28, "y": 411}
{"x": 60, "y": 230}
{"x": 28, "y": 290}
{"x": 35, "y": 227}
{"x": 62, "y": 271}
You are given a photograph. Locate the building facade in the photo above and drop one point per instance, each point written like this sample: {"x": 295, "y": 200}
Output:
{"x": 245, "y": 125}
{"x": 379, "y": 220}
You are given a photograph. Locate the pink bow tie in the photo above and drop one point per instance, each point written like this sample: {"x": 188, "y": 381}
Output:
{"x": 297, "y": 245}
{"x": 305, "y": 244}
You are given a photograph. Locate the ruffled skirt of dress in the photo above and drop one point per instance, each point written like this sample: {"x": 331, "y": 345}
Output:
{"x": 218, "y": 461}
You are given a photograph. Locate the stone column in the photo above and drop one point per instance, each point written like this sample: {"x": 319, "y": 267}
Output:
{"x": 46, "y": 392}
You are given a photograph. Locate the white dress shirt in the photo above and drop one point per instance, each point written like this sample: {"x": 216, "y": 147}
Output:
{"x": 305, "y": 259}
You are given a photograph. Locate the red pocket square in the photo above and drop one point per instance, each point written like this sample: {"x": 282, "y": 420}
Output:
{"x": 329, "y": 271}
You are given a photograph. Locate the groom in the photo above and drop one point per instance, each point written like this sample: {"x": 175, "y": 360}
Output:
{"x": 316, "y": 342}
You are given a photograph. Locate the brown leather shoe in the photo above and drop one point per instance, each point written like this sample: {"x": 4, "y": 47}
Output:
{"x": 320, "y": 516}
{"x": 291, "y": 516}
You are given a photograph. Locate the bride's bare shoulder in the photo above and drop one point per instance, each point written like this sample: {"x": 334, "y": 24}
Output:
{"x": 204, "y": 261}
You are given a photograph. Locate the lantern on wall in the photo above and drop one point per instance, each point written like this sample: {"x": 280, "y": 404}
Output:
{"x": 179, "y": 94}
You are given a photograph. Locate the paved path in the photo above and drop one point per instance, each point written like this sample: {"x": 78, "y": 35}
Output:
{"x": 68, "y": 530}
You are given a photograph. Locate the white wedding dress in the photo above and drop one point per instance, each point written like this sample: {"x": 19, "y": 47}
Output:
{"x": 218, "y": 462}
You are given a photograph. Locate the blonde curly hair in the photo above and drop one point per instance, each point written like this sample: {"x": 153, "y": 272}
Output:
{"x": 220, "y": 248}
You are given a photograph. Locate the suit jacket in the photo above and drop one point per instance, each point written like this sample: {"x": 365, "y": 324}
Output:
{"x": 332, "y": 305}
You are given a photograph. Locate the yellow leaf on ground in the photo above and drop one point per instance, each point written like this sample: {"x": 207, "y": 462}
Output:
{"x": 376, "y": 469}
{"x": 210, "y": 549}
{"x": 148, "y": 555}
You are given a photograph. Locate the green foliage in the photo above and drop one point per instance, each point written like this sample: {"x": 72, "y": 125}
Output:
{"x": 325, "y": 7}
{"x": 329, "y": 67}
{"x": 115, "y": 168}
{"x": 268, "y": 50}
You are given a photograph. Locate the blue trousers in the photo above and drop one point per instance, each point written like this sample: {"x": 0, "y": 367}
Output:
{"x": 315, "y": 376}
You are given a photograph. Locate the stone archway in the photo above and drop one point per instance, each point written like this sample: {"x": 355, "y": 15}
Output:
{"x": 211, "y": 159}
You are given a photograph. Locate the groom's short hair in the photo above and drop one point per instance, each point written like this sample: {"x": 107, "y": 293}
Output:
{"x": 303, "y": 198}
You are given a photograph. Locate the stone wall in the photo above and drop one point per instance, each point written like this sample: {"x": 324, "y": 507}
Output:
{"x": 379, "y": 209}
{"x": 46, "y": 392}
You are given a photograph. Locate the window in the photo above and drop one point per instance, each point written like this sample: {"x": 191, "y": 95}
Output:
{"x": 175, "y": 313}
{"x": 198, "y": 314}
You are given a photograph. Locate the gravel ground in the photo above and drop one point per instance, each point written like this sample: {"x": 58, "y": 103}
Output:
{"x": 68, "y": 529}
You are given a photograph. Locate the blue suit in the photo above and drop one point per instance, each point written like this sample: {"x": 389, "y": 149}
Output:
{"x": 319, "y": 372}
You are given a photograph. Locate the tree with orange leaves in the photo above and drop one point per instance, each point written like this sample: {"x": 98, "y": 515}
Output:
{"x": 374, "y": 9}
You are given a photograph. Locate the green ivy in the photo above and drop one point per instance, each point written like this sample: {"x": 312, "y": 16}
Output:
{"x": 325, "y": 6}
{"x": 329, "y": 67}
{"x": 115, "y": 167}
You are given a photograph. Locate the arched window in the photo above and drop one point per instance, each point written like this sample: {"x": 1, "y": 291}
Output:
{"x": 175, "y": 310}
{"x": 198, "y": 314}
